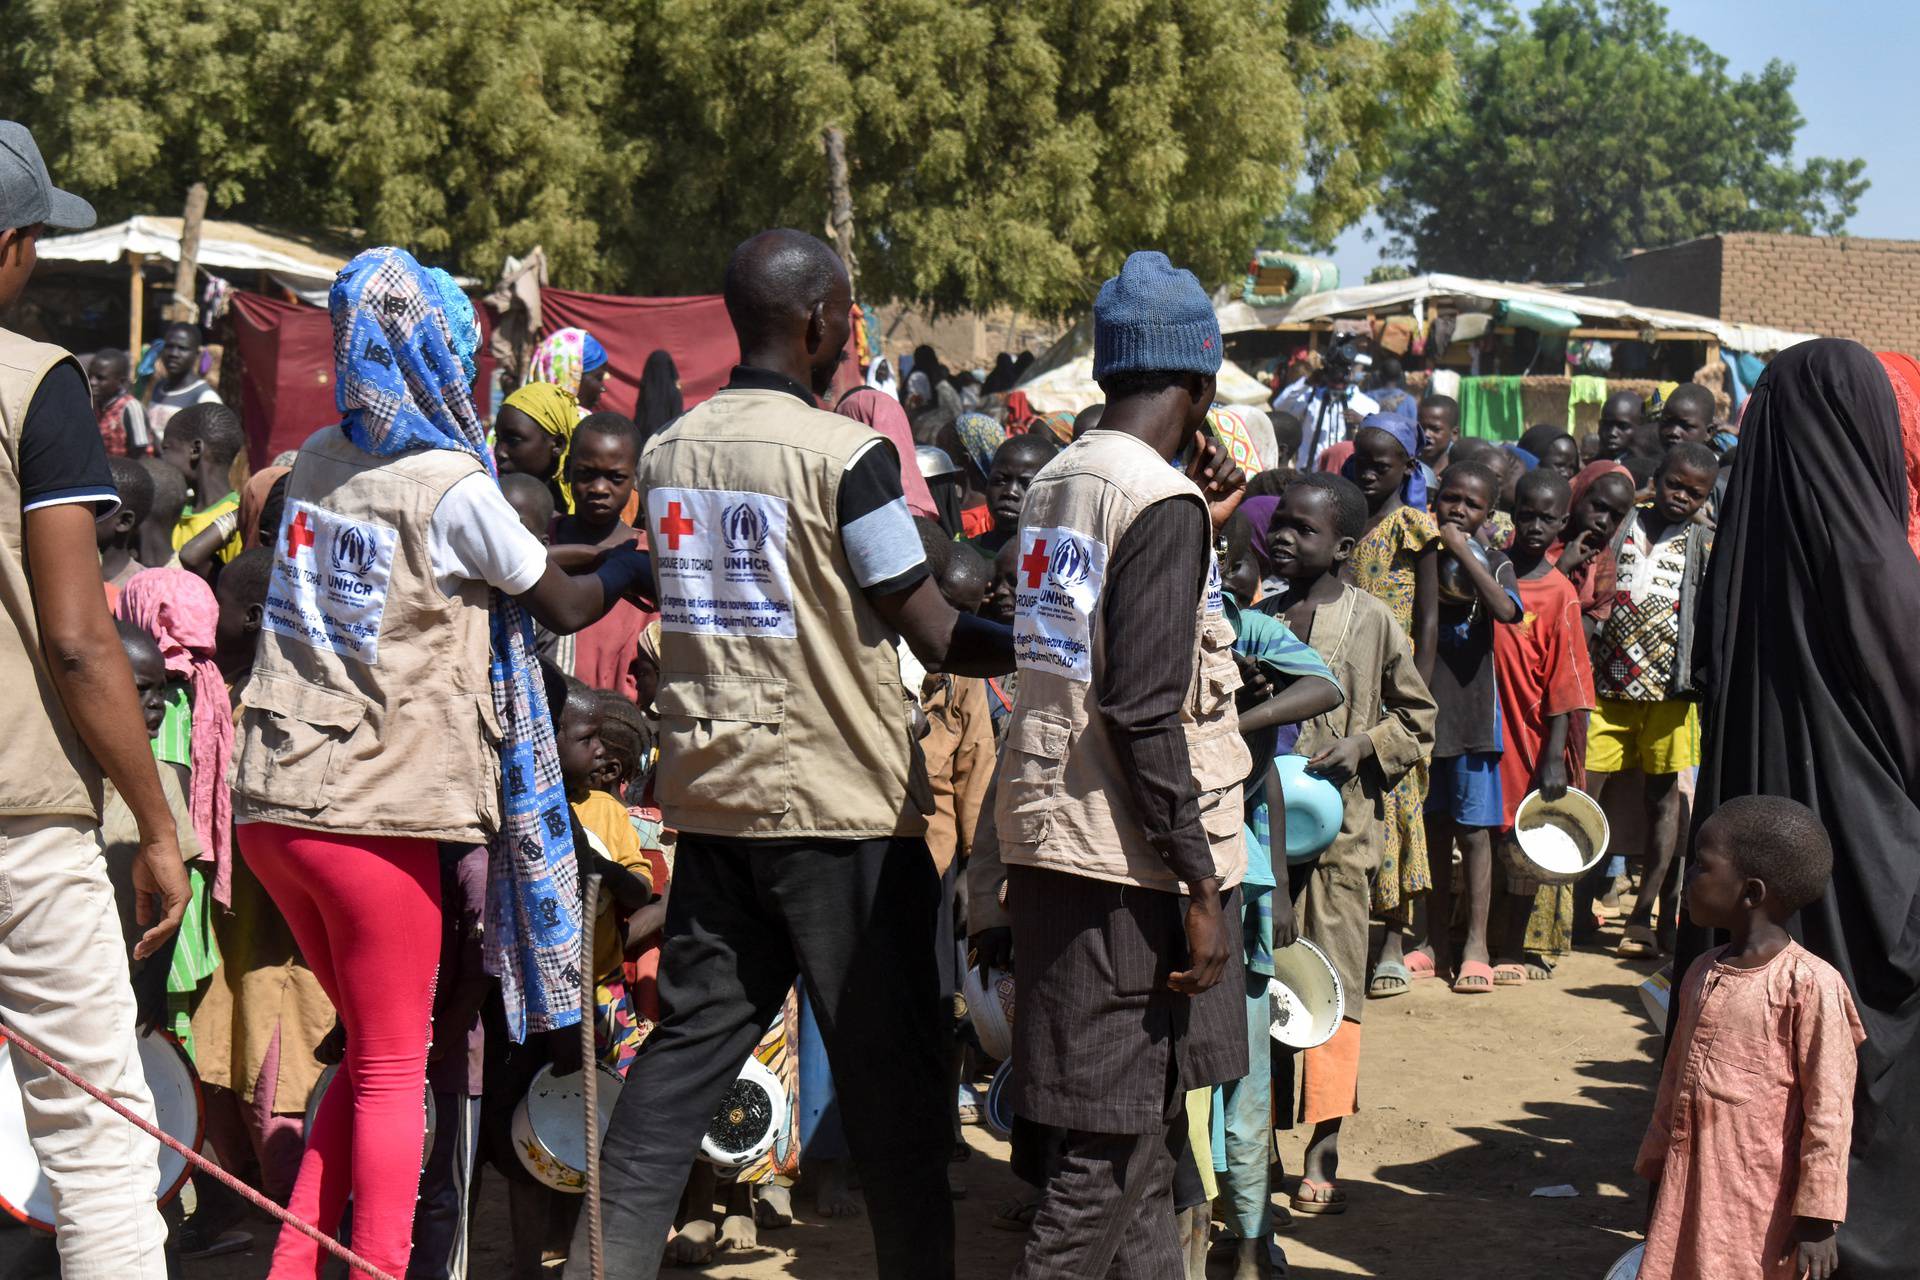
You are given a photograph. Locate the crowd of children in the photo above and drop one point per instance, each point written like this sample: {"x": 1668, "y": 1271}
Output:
{"x": 1439, "y": 625}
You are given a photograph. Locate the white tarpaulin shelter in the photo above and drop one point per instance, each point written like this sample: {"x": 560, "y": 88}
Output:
{"x": 1416, "y": 294}
{"x": 224, "y": 246}
{"x": 1071, "y": 386}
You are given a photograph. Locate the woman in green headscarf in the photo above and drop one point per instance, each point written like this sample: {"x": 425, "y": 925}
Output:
{"x": 532, "y": 435}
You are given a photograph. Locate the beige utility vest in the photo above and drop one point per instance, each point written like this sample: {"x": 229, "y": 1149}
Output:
{"x": 369, "y": 711}
{"x": 44, "y": 767}
{"x": 1063, "y": 800}
{"x": 781, "y": 710}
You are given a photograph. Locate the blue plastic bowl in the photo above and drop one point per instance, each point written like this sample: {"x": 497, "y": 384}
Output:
{"x": 1314, "y": 809}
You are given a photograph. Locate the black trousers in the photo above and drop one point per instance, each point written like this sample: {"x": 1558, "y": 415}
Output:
{"x": 856, "y": 920}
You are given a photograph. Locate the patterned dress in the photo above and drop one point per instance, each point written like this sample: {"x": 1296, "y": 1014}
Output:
{"x": 1383, "y": 567}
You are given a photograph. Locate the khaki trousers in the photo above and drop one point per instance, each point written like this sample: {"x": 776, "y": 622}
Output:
{"x": 63, "y": 982}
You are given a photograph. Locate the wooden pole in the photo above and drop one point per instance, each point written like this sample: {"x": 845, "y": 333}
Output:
{"x": 136, "y": 303}
{"x": 185, "y": 307}
{"x": 840, "y": 202}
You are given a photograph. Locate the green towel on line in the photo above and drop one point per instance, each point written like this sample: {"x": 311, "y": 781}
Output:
{"x": 1490, "y": 408}
{"x": 1586, "y": 389}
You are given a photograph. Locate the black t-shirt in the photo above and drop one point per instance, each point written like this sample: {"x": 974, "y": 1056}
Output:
{"x": 1463, "y": 684}
{"x": 62, "y": 458}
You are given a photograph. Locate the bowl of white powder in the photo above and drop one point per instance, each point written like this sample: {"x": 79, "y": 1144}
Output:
{"x": 1562, "y": 839}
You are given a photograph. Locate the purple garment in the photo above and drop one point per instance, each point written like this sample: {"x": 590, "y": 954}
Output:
{"x": 1259, "y": 512}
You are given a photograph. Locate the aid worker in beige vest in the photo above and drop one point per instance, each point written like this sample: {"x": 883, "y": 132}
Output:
{"x": 1117, "y": 807}
{"x": 789, "y": 569}
{"x": 372, "y": 730}
{"x": 71, "y": 717}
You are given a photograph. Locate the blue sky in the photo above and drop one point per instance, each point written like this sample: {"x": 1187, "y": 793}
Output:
{"x": 1855, "y": 87}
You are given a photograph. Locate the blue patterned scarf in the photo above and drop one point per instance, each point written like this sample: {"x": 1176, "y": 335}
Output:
{"x": 403, "y": 342}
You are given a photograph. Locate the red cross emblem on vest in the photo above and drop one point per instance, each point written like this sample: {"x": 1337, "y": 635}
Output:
{"x": 675, "y": 527}
{"x": 1035, "y": 563}
{"x": 299, "y": 534}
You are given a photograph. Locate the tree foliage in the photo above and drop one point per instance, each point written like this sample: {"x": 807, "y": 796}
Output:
{"x": 1000, "y": 153}
{"x": 465, "y": 134}
{"x": 1016, "y": 153}
{"x": 1593, "y": 129}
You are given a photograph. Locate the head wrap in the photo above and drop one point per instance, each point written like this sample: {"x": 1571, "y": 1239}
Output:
{"x": 1019, "y": 411}
{"x": 881, "y": 378}
{"x": 563, "y": 357}
{"x": 1229, "y": 427}
{"x": 980, "y": 435}
{"x": 253, "y": 501}
{"x": 1413, "y": 491}
{"x": 1591, "y": 473}
{"x": 417, "y": 398}
{"x": 883, "y": 413}
{"x": 178, "y": 609}
{"x": 1528, "y": 458}
{"x": 1903, "y": 371}
{"x": 1057, "y": 423}
{"x": 555, "y": 411}
{"x": 917, "y": 385}
{"x": 400, "y": 379}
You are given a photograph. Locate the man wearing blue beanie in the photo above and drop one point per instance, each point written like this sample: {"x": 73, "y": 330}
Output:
{"x": 1117, "y": 815}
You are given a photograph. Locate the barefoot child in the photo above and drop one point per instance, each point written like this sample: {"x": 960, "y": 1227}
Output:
{"x": 1643, "y": 665}
{"x": 1464, "y": 795}
{"x": 1394, "y": 561}
{"x": 1747, "y": 1148}
{"x": 1546, "y": 683}
{"x": 1376, "y": 737}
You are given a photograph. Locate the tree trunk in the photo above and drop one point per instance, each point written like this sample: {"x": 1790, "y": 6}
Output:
{"x": 185, "y": 307}
{"x": 840, "y": 202}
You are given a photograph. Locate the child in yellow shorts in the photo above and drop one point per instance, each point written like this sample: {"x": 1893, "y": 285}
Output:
{"x": 1642, "y": 664}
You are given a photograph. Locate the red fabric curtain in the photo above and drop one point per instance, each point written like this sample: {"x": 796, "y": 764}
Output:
{"x": 286, "y": 356}
{"x": 694, "y": 331}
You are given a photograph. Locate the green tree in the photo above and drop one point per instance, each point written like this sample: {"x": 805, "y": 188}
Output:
{"x": 464, "y": 136}
{"x": 1000, "y": 153}
{"x": 1594, "y": 129}
{"x": 1012, "y": 153}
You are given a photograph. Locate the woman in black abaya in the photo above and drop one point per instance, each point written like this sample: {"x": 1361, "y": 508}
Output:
{"x": 1809, "y": 633}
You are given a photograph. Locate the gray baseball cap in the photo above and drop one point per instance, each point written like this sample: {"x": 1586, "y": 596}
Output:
{"x": 27, "y": 194}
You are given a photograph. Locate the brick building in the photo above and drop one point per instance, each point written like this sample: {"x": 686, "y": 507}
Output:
{"x": 1836, "y": 286}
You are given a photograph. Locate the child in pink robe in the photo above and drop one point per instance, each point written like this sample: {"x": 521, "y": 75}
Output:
{"x": 1747, "y": 1150}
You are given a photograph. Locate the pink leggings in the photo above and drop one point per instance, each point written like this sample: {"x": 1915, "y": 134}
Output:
{"x": 366, "y": 913}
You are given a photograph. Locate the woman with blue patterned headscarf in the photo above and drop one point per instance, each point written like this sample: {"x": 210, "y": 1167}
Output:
{"x": 395, "y": 704}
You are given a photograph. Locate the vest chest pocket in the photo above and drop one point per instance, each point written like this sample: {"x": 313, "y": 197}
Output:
{"x": 1030, "y": 769}
{"x": 288, "y": 734}
{"x": 1219, "y": 675}
{"x": 723, "y": 744}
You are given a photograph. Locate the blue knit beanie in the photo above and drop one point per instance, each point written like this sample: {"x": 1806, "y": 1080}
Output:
{"x": 1154, "y": 317}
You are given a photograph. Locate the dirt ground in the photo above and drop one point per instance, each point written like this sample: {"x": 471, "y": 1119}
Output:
{"x": 1468, "y": 1105}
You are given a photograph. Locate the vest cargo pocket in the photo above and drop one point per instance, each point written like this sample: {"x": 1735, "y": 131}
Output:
{"x": 723, "y": 744}
{"x": 288, "y": 733}
{"x": 1219, "y": 675}
{"x": 1030, "y": 769}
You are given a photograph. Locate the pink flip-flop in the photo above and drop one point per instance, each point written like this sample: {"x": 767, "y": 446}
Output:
{"x": 1504, "y": 975}
{"x": 1476, "y": 979}
{"x": 1420, "y": 965}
